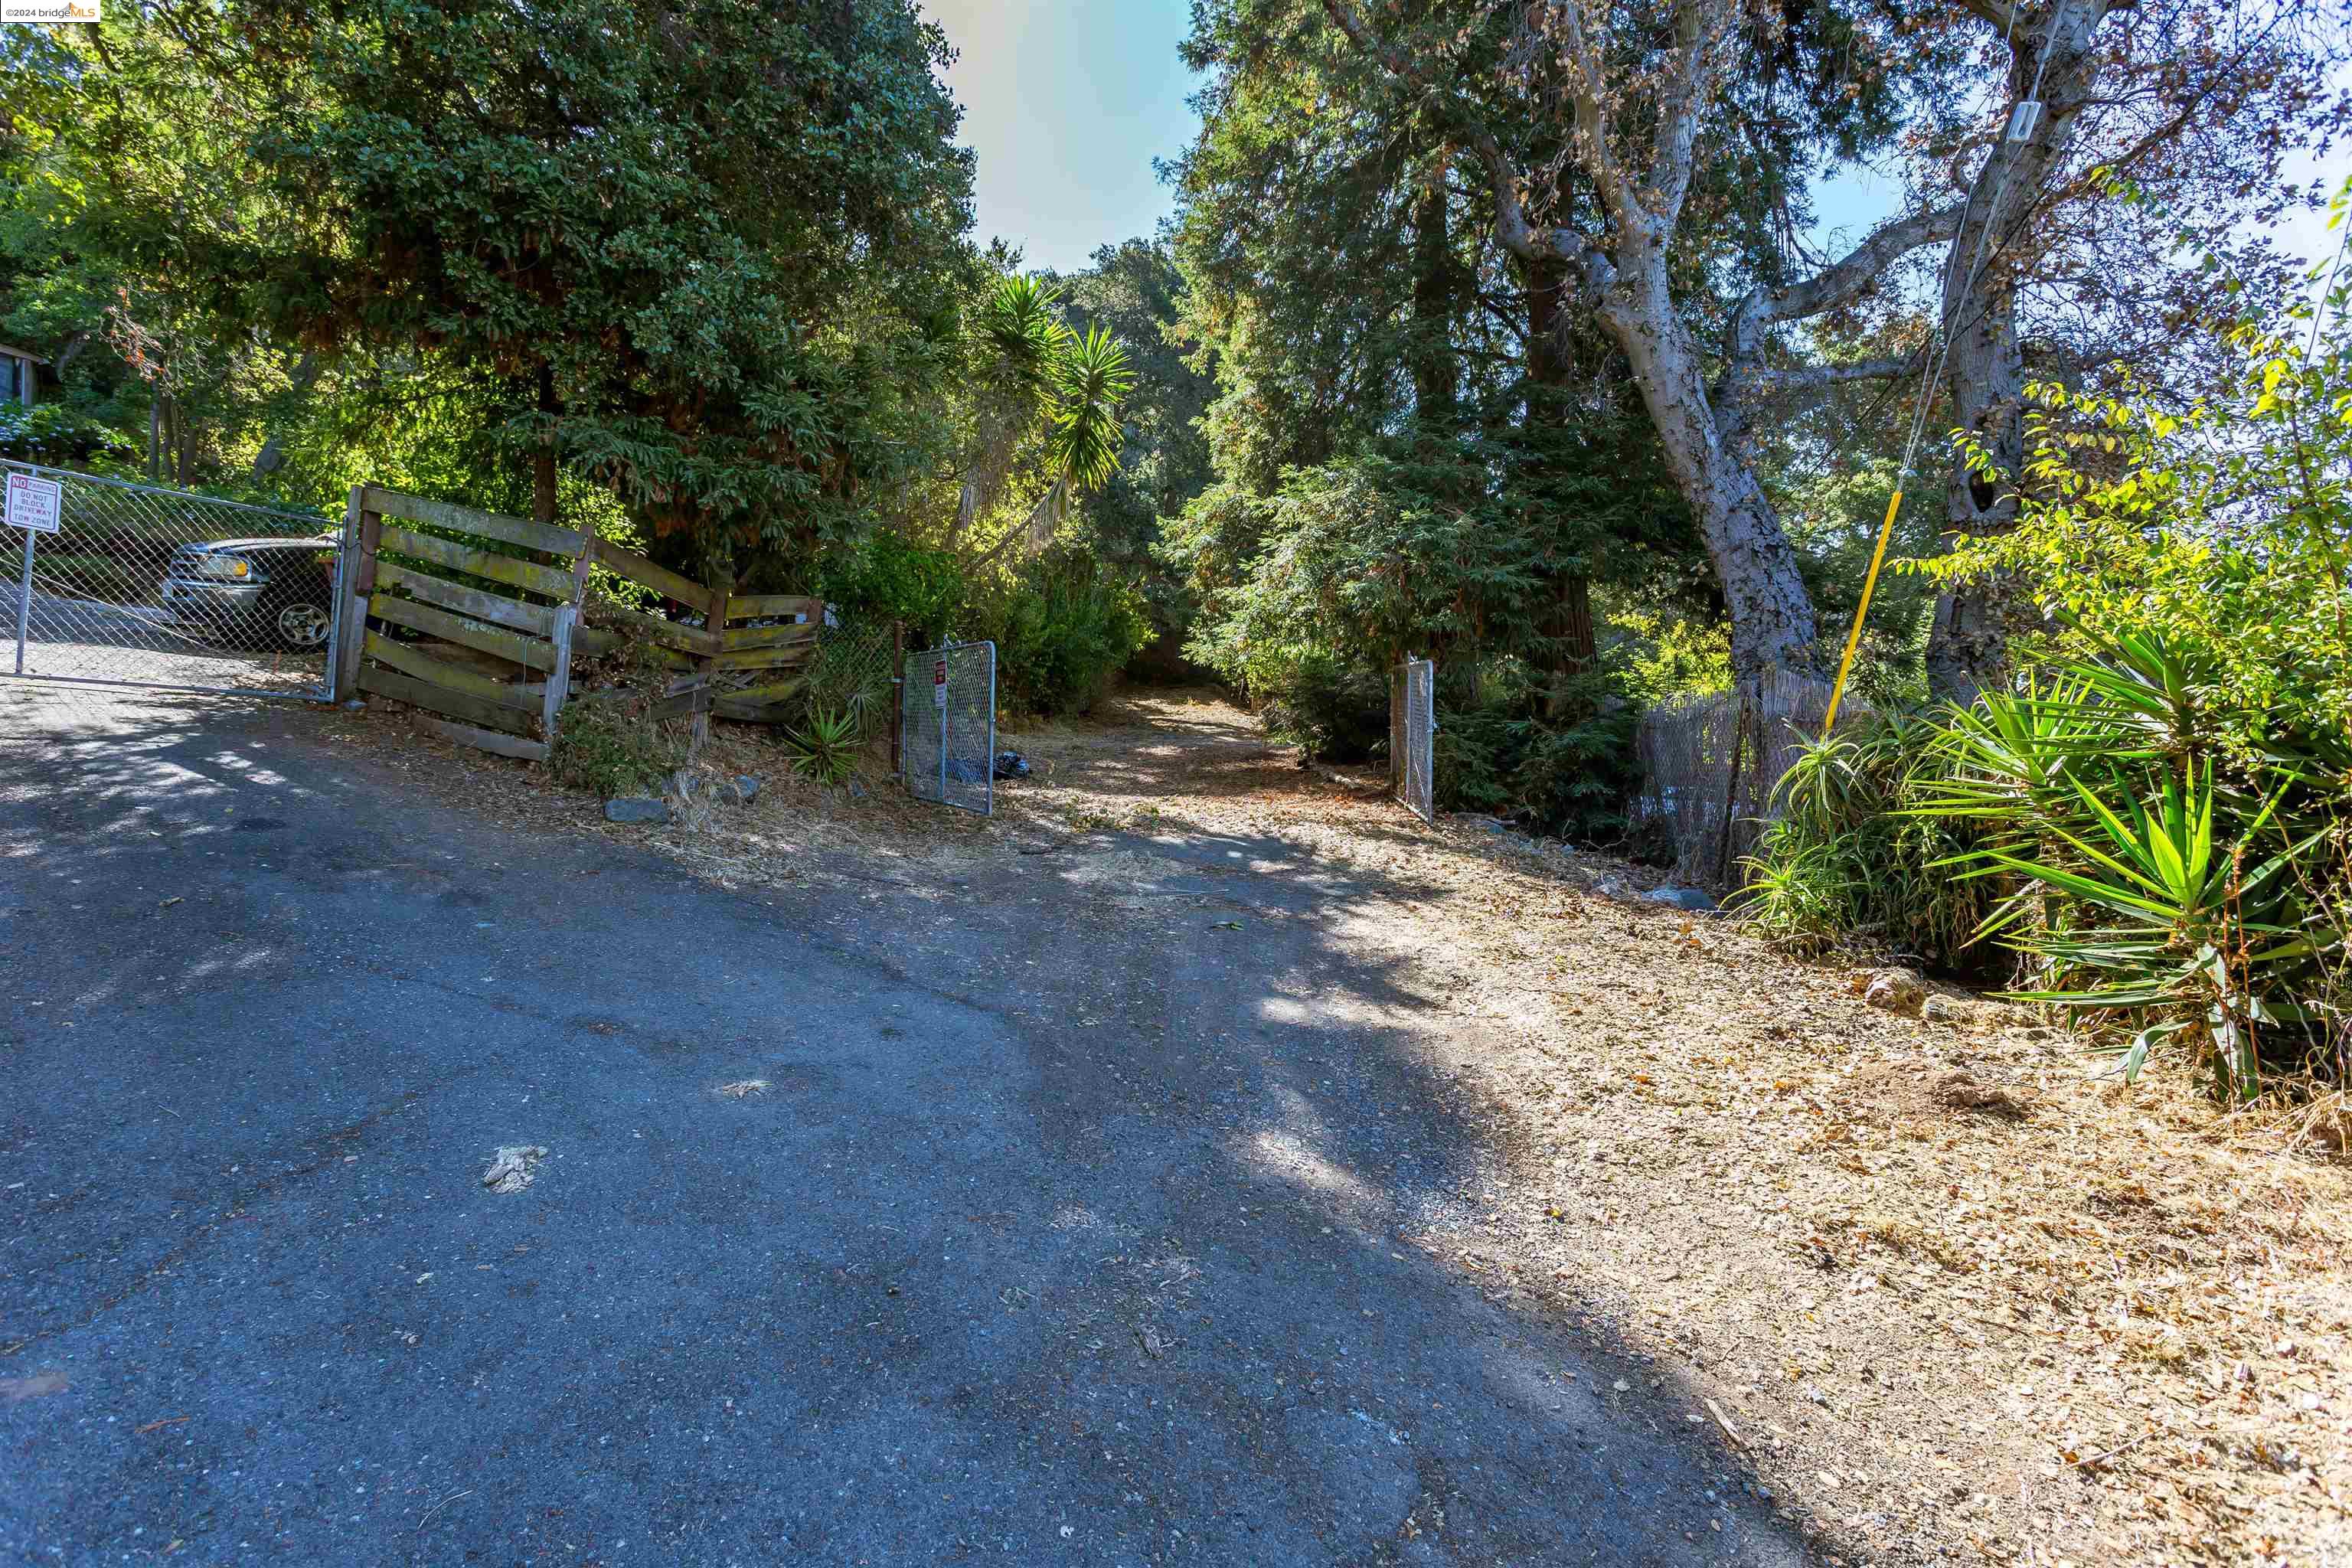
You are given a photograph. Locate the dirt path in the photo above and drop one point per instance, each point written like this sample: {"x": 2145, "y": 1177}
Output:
{"x": 1955, "y": 1295}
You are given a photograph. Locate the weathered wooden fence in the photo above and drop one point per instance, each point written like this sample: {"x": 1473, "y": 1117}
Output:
{"x": 496, "y": 608}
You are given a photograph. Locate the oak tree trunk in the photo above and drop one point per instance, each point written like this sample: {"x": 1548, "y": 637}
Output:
{"x": 1772, "y": 626}
{"x": 2054, "y": 62}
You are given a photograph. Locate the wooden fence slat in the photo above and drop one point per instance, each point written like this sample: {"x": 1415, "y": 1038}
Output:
{"x": 388, "y": 682}
{"x": 440, "y": 672}
{"x": 545, "y": 537}
{"x": 537, "y": 620}
{"x": 750, "y": 606}
{"x": 762, "y": 696}
{"x": 771, "y": 636}
{"x": 660, "y": 579}
{"x": 487, "y": 740}
{"x": 762, "y": 658}
{"x": 748, "y": 712}
{"x": 512, "y": 647}
{"x": 541, "y": 580}
{"x": 671, "y": 634}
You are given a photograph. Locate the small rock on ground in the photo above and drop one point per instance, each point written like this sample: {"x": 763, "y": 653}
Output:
{"x": 1691, "y": 898}
{"x": 1893, "y": 991}
{"x": 513, "y": 1167}
{"x": 636, "y": 808}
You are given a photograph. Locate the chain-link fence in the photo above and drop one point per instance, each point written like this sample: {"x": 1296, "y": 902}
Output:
{"x": 142, "y": 585}
{"x": 1412, "y": 734}
{"x": 948, "y": 714}
{"x": 1709, "y": 765}
{"x": 851, "y": 671}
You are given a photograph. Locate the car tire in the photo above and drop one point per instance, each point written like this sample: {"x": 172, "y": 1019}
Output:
{"x": 301, "y": 624}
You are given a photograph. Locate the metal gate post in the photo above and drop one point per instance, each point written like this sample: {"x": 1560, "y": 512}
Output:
{"x": 24, "y": 600}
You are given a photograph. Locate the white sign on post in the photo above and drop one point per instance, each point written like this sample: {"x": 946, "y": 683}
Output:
{"x": 34, "y": 503}
{"x": 940, "y": 683}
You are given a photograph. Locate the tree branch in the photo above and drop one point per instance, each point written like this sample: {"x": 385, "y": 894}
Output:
{"x": 1988, "y": 11}
{"x": 1512, "y": 229}
{"x": 1698, "y": 37}
{"x": 1844, "y": 281}
{"x": 1812, "y": 377}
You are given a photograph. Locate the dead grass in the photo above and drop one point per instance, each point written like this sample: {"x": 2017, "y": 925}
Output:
{"x": 1959, "y": 1291}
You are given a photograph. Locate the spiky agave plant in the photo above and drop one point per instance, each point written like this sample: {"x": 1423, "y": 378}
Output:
{"x": 825, "y": 748}
{"x": 2143, "y": 885}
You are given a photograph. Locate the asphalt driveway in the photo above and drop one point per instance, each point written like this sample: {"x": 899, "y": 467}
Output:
{"x": 1060, "y": 1235}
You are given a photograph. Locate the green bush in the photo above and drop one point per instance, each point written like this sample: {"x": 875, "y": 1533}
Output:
{"x": 884, "y": 577}
{"x": 1332, "y": 708}
{"x": 1571, "y": 776}
{"x": 1843, "y": 860}
{"x": 1063, "y": 624}
{"x": 53, "y": 433}
{"x": 2158, "y": 818}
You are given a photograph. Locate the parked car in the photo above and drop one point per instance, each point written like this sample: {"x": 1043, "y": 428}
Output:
{"x": 255, "y": 593}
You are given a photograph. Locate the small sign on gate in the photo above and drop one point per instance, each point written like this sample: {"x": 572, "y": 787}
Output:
{"x": 938, "y": 683}
{"x": 35, "y": 504}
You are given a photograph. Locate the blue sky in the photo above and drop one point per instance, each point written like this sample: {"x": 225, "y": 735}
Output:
{"x": 1068, "y": 102}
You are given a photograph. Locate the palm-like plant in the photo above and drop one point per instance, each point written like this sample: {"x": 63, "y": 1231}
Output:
{"x": 2142, "y": 884}
{"x": 1034, "y": 369}
{"x": 826, "y": 747}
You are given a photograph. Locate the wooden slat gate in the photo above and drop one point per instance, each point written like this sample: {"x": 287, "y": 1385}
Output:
{"x": 496, "y": 607}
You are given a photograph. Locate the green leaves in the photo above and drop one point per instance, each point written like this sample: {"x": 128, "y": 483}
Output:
{"x": 1091, "y": 380}
{"x": 825, "y": 748}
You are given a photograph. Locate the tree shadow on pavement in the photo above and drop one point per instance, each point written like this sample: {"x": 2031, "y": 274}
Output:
{"x": 1058, "y": 1228}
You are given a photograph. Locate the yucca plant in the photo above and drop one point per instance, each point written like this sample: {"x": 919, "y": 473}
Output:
{"x": 825, "y": 748}
{"x": 1842, "y": 860}
{"x": 2186, "y": 933}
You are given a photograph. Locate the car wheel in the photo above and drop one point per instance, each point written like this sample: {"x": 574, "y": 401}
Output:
{"x": 303, "y": 625}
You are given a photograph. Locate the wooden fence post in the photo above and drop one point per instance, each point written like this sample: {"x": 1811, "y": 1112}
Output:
{"x": 897, "y": 696}
{"x": 361, "y": 530}
{"x": 1731, "y": 790}
{"x": 567, "y": 616}
{"x": 722, "y": 588}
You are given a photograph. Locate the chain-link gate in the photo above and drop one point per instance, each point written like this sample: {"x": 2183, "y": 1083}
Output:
{"x": 141, "y": 585}
{"x": 947, "y": 720}
{"x": 1413, "y": 732}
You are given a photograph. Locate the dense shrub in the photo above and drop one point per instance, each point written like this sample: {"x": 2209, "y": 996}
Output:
{"x": 1063, "y": 624}
{"x": 1569, "y": 775}
{"x": 52, "y": 433}
{"x": 2159, "y": 815}
{"x": 885, "y": 576}
{"x": 1845, "y": 860}
{"x": 608, "y": 743}
{"x": 1335, "y": 710}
